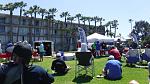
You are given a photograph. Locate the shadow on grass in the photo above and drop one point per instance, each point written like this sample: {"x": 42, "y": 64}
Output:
{"x": 57, "y": 74}
{"x": 112, "y": 79}
{"x": 82, "y": 79}
{"x": 104, "y": 56}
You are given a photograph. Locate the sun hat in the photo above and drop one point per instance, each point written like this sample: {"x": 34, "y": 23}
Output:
{"x": 111, "y": 57}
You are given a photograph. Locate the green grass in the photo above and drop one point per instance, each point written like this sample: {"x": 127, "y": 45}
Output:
{"x": 139, "y": 74}
{"x": 129, "y": 73}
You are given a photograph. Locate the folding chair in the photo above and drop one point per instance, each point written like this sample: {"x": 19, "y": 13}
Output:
{"x": 146, "y": 55}
{"x": 84, "y": 62}
{"x": 133, "y": 56}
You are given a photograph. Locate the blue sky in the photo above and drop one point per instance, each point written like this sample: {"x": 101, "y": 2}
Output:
{"x": 121, "y": 10}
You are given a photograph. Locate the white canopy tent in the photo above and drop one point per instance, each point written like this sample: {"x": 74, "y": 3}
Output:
{"x": 98, "y": 37}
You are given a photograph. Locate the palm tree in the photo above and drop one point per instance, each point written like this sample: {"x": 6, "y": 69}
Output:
{"x": 42, "y": 12}
{"x": 78, "y": 16}
{"x": 20, "y": 5}
{"x": 65, "y": 15}
{"x": 95, "y": 19}
{"x": 89, "y": 21}
{"x": 26, "y": 13}
{"x": 114, "y": 24}
{"x": 83, "y": 19}
{"x": 52, "y": 12}
{"x": 10, "y": 7}
{"x": 100, "y": 20}
{"x": 71, "y": 19}
{"x": 1, "y": 6}
{"x": 35, "y": 10}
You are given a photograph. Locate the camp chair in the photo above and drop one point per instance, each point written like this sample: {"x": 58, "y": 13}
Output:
{"x": 35, "y": 56}
{"x": 133, "y": 56}
{"x": 84, "y": 62}
{"x": 146, "y": 55}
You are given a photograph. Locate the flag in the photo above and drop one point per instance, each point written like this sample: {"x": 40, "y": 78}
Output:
{"x": 134, "y": 38}
{"x": 82, "y": 35}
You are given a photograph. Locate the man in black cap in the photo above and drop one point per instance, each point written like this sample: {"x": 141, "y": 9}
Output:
{"x": 20, "y": 72}
{"x": 59, "y": 65}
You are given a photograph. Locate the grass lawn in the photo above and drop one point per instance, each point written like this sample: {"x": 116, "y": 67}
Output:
{"x": 129, "y": 73}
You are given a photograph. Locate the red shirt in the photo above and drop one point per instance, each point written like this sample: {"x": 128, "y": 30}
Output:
{"x": 115, "y": 52}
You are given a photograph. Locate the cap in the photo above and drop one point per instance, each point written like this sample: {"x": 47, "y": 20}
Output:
{"x": 58, "y": 55}
{"x": 111, "y": 57}
{"x": 22, "y": 51}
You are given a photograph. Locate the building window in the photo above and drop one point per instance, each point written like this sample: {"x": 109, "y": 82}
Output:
{"x": 24, "y": 22}
{"x": 2, "y": 29}
{"x": 37, "y": 31}
{"x": 36, "y": 23}
{"x": 2, "y": 20}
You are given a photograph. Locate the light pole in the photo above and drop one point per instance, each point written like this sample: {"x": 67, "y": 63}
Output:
{"x": 130, "y": 21}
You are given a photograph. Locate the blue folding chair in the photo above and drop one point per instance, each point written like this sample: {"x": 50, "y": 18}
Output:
{"x": 146, "y": 55}
{"x": 133, "y": 56}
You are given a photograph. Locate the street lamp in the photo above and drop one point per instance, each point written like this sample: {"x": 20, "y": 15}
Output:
{"x": 130, "y": 21}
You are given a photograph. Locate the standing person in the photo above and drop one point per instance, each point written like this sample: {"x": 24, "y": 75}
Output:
{"x": 97, "y": 48}
{"x": 104, "y": 46}
{"x": 9, "y": 50}
{"x": 20, "y": 71}
{"x": 59, "y": 65}
{"x": 93, "y": 49}
{"x": 0, "y": 47}
{"x": 112, "y": 69}
{"x": 42, "y": 51}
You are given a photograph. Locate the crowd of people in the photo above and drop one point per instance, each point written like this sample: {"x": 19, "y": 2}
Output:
{"x": 19, "y": 70}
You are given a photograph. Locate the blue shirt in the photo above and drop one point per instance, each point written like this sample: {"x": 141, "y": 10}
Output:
{"x": 113, "y": 69}
{"x": 98, "y": 45}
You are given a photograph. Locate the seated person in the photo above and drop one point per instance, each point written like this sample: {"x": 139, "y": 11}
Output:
{"x": 20, "y": 71}
{"x": 59, "y": 66}
{"x": 115, "y": 52}
{"x": 112, "y": 70}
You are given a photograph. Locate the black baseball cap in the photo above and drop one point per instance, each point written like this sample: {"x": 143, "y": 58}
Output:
{"x": 22, "y": 50}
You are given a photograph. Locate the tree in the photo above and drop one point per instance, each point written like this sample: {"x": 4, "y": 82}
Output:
{"x": 83, "y": 19}
{"x": 71, "y": 19}
{"x": 78, "y": 16}
{"x": 1, "y": 6}
{"x": 35, "y": 10}
{"x": 100, "y": 20}
{"x": 26, "y": 13}
{"x": 20, "y": 5}
{"x": 41, "y": 12}
{"x": 89, "y": 21}
{"x": 114, "y": 25}
{"x": 10, "y": 7}
{"x": 95, "y": 19}
{"x": 141, "y": 29}
{"x": 65, "y": 15}
{"x": 52, "y": 12}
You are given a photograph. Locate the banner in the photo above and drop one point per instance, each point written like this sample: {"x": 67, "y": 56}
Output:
{"x": 134, "y": 38}
{"x": 82, "y": 35}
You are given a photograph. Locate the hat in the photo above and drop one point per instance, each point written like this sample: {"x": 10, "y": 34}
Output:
{"x": 58, "y": 55}
{"x": 22, "y": 51}
{"x": 111, "y": 57}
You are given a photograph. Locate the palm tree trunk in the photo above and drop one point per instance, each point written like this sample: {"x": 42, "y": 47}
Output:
{"x": 11, "y": 28}
{"x": 20, "y": 18}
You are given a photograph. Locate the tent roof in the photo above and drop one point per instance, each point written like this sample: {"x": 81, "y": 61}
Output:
{"x": 98, "y": 37}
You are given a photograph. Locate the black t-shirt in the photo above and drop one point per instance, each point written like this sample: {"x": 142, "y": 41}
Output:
{"x": 31, "y": 75}
{"x": 59, "y": 66}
